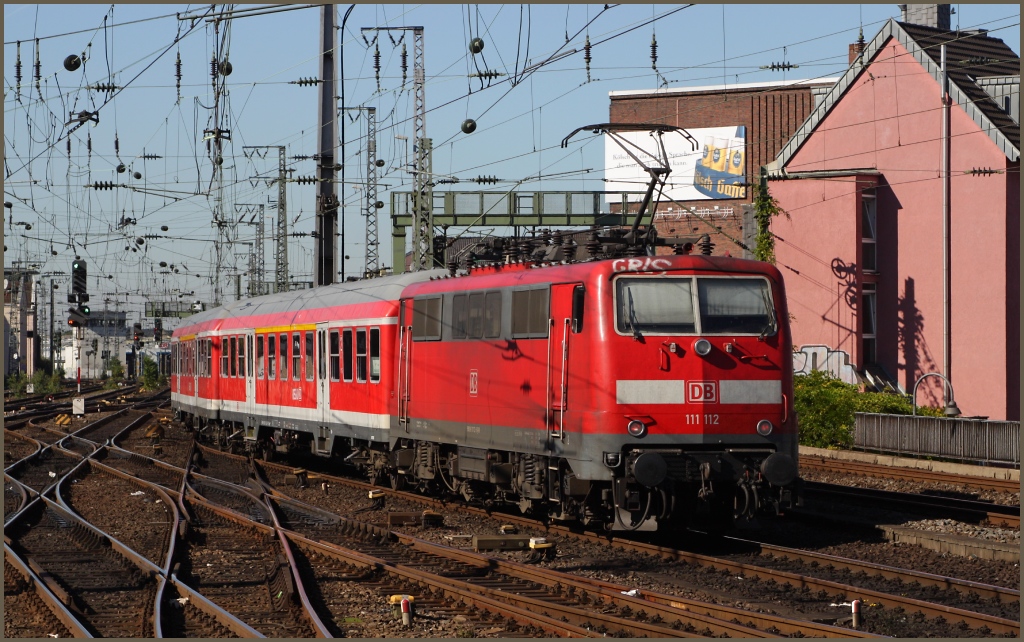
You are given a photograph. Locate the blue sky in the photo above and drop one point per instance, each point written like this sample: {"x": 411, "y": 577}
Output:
{"x": 519, "y": 124}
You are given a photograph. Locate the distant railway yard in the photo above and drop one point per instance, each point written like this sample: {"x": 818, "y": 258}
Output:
{"x": 120, "y": 523}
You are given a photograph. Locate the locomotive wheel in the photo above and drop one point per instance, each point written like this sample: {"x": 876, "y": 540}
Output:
{"x": 398, "y": 481}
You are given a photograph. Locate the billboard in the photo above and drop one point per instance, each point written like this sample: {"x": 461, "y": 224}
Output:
{"x": 716, "y": 170}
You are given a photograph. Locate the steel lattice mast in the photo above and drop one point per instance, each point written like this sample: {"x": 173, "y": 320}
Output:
{"x": 372, "y": 267}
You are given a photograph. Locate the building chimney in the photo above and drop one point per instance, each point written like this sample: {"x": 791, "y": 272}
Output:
{"x": 926, "y": 15}
{"x": 857, "y": 48}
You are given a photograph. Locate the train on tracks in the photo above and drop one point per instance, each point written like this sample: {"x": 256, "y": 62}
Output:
{"x": 622, "y": 388}
{"x": 631, "y": 391}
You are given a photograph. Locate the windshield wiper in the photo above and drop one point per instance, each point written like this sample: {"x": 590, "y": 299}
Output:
{"x": 631, "y": 320}
{"x": 772, "y": 319}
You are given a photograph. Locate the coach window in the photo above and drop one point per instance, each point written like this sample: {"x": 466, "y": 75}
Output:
{"x": 249, "y": 353}
{"x": 361, "y": 355}
{"x": 259, "y": 357}
{"x": 234, "y": 355}
{"x": 296, "y": 356}
{"x": 335, "y": 356}
{"x": 309, "y": 356}
{"x": 282, "y": 343}
{"x": 241, "y": 356}
{"x": 224, "y": 356}
{"x": 271, "y": 356}
{"x": 346, "y": 353}
{"x": 460, "y": 316}
{"x": 375, "y": 354}
{"x": 426, "y": 319}
{"x": 492, "y": 315}
{"x": 530, "y": 313}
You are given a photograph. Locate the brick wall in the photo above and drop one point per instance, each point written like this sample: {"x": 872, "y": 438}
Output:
{"x": 771, "y": 116}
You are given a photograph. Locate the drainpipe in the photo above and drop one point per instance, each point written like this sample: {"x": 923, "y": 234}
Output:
{"x": 945, "y": 221}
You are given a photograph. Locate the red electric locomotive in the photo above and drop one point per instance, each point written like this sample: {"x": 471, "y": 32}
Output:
{"x": 629, "y": 392}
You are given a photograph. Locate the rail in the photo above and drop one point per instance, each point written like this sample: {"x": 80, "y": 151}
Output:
{"x": 966, "y": 440}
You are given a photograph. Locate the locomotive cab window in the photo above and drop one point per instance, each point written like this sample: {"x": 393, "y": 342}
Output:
{"x": 735, "y": 306}
{"x": 426, "y": 319}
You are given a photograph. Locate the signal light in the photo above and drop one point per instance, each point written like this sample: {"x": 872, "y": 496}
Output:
{"x": 137, "y": 332}
{"x": 77, "y": 317}
{"x": 78, "y": 276}
{"x": 158, "y": 329}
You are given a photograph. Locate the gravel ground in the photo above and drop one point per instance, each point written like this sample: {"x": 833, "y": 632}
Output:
{"x": 136, "y": 517}
{"x": 175, "y": 443}
{"x": 639, "y": 571}
{"x": 907, "y": 486}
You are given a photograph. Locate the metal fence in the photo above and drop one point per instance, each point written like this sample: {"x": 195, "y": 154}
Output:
{"x": 973, "y": 440}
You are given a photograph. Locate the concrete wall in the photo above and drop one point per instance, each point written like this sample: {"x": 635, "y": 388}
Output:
{"x": 889, "y": 120}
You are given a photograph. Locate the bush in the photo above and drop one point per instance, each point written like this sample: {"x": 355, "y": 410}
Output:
{"x": 116, "y": 373}
{"x": 825, "y": 407}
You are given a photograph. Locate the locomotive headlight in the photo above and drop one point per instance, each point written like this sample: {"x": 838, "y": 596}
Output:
{"x": 702, "y": 347}
{"x": 764, "y": 427}
{"x": 636, "y": 428}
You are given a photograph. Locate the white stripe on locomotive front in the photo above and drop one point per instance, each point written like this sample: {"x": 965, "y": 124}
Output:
{"x": 673, "y": 392}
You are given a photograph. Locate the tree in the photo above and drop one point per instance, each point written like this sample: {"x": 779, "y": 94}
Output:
{"x": 116, "y": 372}
{"x": 151, "y": 379}
{"x": 765, "y": 209}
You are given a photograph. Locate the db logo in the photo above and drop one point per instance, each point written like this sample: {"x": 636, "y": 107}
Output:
{"x": 702, "y": 392}
{"x": 474, "y": 383}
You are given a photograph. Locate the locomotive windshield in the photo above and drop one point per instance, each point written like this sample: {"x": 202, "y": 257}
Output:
{"x": 668, "y": 305}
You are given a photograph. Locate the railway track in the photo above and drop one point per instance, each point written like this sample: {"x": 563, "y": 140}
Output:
{"x": 234, "y": 469}
{"x": 864, "y": 469}
{"x": 141, "y": 517}
{"x": 18, "y": 447}
{"x": 27, "y": 612}
{"x": 108, "y": 590}
{"x": 930, "y": 505}
{"x": 15, "y": 497}
{"x": 240, "y": 566}
{"x": 146, "y": 469}
{"x": 105, "y": 430}
{"x": 841, "y": 591}
{"x": 43, "y": 470}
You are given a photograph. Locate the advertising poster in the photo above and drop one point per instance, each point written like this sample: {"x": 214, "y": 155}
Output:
{"x": 716, "y": 170}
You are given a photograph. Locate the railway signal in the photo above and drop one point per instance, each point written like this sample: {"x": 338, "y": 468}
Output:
{"x": 79, "y": 285}
{"x": 137, "y": 332}
{"x": 158, "y": 329}
{"x": 78, "y": 316}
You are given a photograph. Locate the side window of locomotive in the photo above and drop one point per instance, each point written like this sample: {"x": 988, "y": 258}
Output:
{"x": 296, "y": 355}
{"x": 361, "y": 355}
{"x": 492, "y": 315}
{"x": 530, "y": 313}
{"x": 346, "y": 358}
{"x": 282, "y": 343}
{"x": 476, "y": 315}
{"x": 426, "y": 319}
{"x": 460, "y": 316}
{"x": 271, "y": 356}
{"x": 259, "y": 357}
{"x": 375, "y": 355}
{"x": 658, "y": 305}
{"x": 335, "y": 356}
{"x": 309, "y": 356}
{"x": 735, "y": 306}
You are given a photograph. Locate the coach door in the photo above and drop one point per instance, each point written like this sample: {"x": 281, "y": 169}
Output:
{"x": 324, "y": 350}
{"x": 250, "y": 379}
{"x": 559, "y": 340}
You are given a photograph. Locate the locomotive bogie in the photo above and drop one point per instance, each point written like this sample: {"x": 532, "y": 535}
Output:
{"x": 633, "y": 394}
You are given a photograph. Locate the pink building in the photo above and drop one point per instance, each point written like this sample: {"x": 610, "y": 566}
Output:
{"x": 863, "y": 251}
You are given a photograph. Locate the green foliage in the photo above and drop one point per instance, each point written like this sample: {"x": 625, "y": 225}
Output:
{"x": 150, "y": 374}
{"x": 116, "y": 373}
{"x": 15, "y": 383}
{"x": 46, "y": 384}
{"x": 825, "y": 407}
{"x": 765, "y": 209}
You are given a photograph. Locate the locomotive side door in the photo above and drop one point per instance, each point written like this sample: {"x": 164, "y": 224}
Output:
{"x": 405, "y": 316}
{"x": 562, "y": 297}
